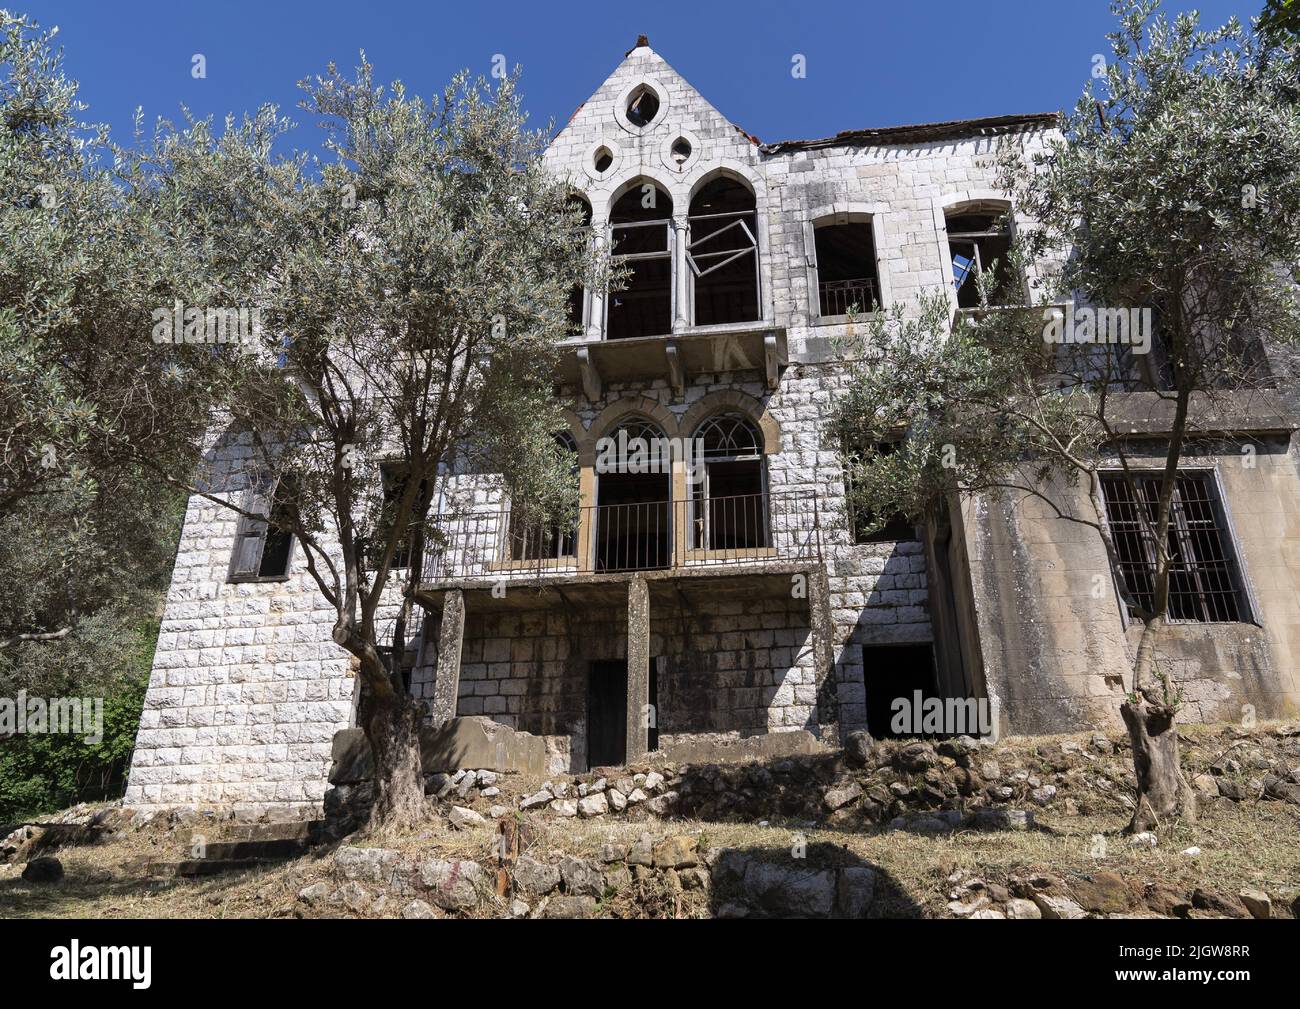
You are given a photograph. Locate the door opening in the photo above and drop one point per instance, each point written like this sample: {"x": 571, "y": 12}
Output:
{"x": 606, "y": 713}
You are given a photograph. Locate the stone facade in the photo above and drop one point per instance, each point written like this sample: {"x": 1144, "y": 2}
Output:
{"x": 248, "y": 689}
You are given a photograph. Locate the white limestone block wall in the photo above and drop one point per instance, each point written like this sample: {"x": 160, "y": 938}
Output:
{"x": 247, "y": 688}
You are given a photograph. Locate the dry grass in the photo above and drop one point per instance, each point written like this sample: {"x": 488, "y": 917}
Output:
{"x": 1251, "y": 844}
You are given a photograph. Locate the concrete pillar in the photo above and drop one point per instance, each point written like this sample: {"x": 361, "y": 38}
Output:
{"x": 446, "y": 685}
{"x": 823, "y": 641}
{"x": 638, "y": 667}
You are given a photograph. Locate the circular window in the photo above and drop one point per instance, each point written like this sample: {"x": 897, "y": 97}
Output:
{"x": 681, "y": 151}
{"x": 642, "y": 106}
{"x": 602, "y": 159}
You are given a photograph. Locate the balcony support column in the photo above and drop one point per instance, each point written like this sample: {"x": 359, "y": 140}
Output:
{"x": 638, "y": 668}
{"x": 451, "y": 634}
{"x": 681, "y": 274}
{"x": 586, "y": 518}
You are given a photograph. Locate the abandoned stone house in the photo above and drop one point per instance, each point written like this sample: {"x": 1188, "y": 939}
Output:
{"x": 739, "y": 598}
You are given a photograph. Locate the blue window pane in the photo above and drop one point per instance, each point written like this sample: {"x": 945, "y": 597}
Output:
{"x": 961, "y": 269}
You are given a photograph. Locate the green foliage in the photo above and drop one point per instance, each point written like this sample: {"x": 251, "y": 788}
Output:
{"x": 42, "y": 773}
{"x": 1280, "y": 20}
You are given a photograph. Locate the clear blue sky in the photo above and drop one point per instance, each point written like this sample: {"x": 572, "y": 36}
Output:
{"x": 868, "y": 63}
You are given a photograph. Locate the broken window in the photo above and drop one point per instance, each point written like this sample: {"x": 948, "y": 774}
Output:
{"x": 1205, "y": 583}
{"x": 641, "y": 239}
{"x": 979, "y": 241}
{"x": 642, "y": 106}
{"x": 847, "y": 278}
{"x": 263, "y": 543}
{"x": 897, "y": 527}
{"x": 723, "y": 253}
{"x": 577, "y": 314}
{"x": 729, "y": 500}
{"x": 533, "y": 539}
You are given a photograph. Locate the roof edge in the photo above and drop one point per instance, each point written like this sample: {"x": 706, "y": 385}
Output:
{"x": 985, "y": 127}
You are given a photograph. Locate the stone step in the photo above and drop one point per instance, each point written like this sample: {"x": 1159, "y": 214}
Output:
{"x": 204, "y": 867}
{"x": 278, "y": 849}
{"x": 304, "y": 831}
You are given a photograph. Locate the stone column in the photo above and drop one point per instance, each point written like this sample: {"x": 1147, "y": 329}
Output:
{"x": 596, "y": 298}
{"x": 638, "y": 666}
{"x": 446, "y": 685}
{"x": 681, "y": 274}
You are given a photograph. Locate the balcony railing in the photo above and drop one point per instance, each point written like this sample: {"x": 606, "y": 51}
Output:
{"x": 642, "y": 536}
{"x": 838, "y": 296}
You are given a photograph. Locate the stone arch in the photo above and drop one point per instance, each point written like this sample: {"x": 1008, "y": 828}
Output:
{"x": 731, "y": 169}
{"x": 640, "y": 174}
{"x": 734, "y": 401}
{"x": 618, "y": 412}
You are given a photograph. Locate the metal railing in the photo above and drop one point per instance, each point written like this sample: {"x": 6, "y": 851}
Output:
{"x": 838, "y": 296}
{"x": 636, "y": 536}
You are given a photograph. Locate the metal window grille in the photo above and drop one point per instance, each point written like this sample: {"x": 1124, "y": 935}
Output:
{"x": 1204, "y": 580}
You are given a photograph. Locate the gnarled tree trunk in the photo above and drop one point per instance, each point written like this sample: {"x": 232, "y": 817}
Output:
{"x": 392, "y": 725}
{"x": 1162, "y": 790}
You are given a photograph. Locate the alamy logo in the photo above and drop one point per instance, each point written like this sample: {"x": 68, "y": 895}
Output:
{"x": 650, "y": 455}
{"x": 179, "y": 324}
{"x": 66, "y": 716}
{"x": 75, "y": 962}
{"x": 1127, "y": 326}
{"x": 943, "y": 716}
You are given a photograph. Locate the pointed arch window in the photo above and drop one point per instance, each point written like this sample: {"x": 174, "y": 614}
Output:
{"x": 641, "y": 238}
{"x": 723, "y": 253}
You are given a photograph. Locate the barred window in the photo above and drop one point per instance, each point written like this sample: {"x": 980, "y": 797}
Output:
{"x": 1205, "y": 583}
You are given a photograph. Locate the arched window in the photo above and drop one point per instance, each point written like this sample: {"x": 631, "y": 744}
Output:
{"x": 723, "y": 253}
{"x": 534, "y": 539}
{"x": 979, "y": 241}
{"x": 847, "y": 277}
{"x": 633, "y": 494}
{"x": 641, "y": 239}
{"x": 578, "y": 294}
{"x": 729, "y": 493}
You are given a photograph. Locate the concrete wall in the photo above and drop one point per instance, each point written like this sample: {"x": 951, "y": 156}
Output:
{"x": 1057, "y": 652}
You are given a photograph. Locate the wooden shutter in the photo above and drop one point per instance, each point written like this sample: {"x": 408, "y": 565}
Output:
{"x": 250, "y": 535}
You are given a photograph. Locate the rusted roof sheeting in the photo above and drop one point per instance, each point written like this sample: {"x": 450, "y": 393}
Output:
{"x": 921, "y": 132}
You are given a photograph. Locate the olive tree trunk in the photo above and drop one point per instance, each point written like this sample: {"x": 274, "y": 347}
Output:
{"x": 392, "y": 726}
{"x": 1149, "y": 716}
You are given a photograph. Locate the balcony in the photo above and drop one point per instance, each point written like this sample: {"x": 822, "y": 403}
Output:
{"x": 839, "y": 297}
{"x": 676, "y": 357}
{"x": 756, "y": 532}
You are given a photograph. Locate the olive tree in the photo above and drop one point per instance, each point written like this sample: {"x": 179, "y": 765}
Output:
{"x": 1174, "y": 185}
{"x": 81, "y": 387}
{"x": 412, "y": 292}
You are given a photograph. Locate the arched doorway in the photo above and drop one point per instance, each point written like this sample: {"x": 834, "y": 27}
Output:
{"x": 633, "y": 499}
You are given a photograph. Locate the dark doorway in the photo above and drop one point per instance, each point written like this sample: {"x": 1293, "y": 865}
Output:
{"x": 892, "y": 671}
{"x": 606, "y": 713}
